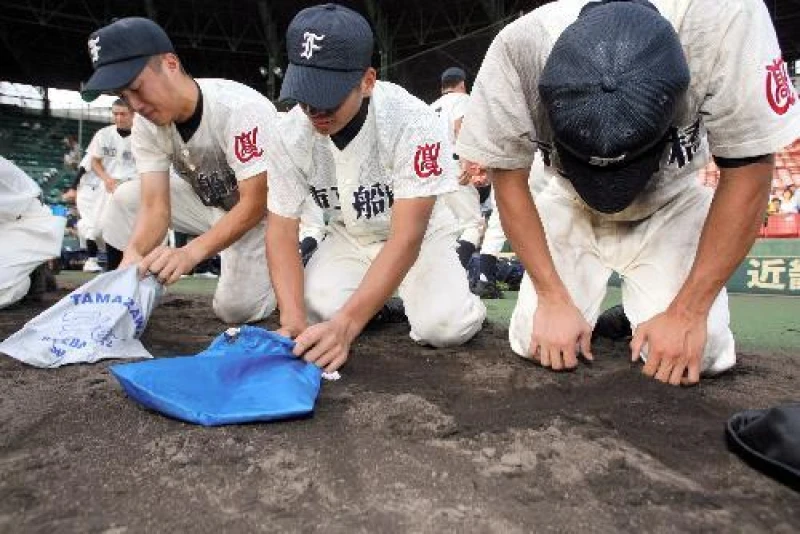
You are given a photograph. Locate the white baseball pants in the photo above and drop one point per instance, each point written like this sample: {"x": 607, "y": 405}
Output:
{"x": 30, "y": 238}
{"x": 440, "y": 307}
{"x": 652, "y": 256}
{"x": 244, "y": 292}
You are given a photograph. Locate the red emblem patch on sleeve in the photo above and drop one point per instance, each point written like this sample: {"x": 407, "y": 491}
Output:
{"x": 426, "y": 160}
{"x": 246, "y": 146}
{"x": 780, "y": 93}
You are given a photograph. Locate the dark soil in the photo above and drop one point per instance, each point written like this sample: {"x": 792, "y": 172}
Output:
{"x": 411, "y": 439}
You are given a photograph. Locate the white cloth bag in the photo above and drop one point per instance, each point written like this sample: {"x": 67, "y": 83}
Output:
{"x": 101, "y": 319}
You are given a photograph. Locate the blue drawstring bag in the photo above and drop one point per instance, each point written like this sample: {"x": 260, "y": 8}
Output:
{"x": 247, "y": 374}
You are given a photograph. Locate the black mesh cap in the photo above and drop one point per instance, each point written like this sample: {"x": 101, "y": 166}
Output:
{"x": 330, "y": 48}
{"x": 120, "y": 51}
{"x": 611, "y": 87}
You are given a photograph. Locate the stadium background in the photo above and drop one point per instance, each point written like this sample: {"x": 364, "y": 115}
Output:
{"x": 43, "y": 45}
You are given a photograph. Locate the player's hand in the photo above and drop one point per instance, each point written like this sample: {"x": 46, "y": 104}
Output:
{"x": 69, "y": 195}
{"x": 130, "y": 257}
{"x": 292, "y": 328}
{"x": 326, "y": 345}
{"x": 471, "y": 173}
{"x": 675, "y": 345}
{"x": 111, "y": 185}
{"x": 559, "y": 329}
{"x": 168, "y": 264}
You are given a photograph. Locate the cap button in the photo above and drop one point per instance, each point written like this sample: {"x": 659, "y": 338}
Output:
{"x": 609, "y": 84}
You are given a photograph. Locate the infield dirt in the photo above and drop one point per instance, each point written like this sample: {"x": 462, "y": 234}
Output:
{"x": 411, "y": 439}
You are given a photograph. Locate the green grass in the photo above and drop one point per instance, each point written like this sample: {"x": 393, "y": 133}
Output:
{"x": 759, "y": 322}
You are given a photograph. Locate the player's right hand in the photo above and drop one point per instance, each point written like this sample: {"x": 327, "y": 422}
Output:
{"x": 111, "y": 185}
{"x": 559, "y": 330}
{"x": 130, "y": 257}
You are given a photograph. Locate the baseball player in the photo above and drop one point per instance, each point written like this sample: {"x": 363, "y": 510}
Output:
{"x": 373, "y": 157}
{"x": 464, "y": 202}
{"x": 112, "y": 162}
{"x": 214, "y": 133}
{"x": 86, "y": 191}
{"x": 619, "y": 98}
{"x": 31, "y": 234}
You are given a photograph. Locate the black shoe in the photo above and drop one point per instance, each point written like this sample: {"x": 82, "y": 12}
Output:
{"x": 391, "y": 312}
{"x": 42, "y": 281}
{"x": 613, "y": 324}
{"x": 487, "y": 290}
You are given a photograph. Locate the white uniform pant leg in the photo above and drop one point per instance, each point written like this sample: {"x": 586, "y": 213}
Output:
{"x": 118, "y": 216}
{"x": 244, "y": 291}
{"x": 440, "y": 307}
{"x": 666, "y": 247}
{"x": 466, "y": 206}
{"x": 87, "y": 199}
{"x": 494, "y": 239}
{"x": 28, "y": 241}
{"x": 574, "y": 251}
{"x": 334, "y": 273}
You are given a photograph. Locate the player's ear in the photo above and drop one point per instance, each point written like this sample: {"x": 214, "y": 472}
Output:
{"x": 368, "y": 81}
{"x": 171, "y": 62}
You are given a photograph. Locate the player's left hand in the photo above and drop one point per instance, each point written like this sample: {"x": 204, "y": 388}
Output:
{"x": 675, "y": 344}
{"x": 326, "y": 345}
{"x": 70, "y": 195}
{"x": 168, "y": 264}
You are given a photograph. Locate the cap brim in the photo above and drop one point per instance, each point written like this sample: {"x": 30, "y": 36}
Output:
{"x": 610, "y": 189}
{"x": 318, "y": 88}
{"x": 113, "y": 76}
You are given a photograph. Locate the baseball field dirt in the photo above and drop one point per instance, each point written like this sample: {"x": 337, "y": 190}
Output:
{"x": 411, "y": 439}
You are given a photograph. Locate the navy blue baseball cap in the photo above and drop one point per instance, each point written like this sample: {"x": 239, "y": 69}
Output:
{"x": 611, "y": 88}
{"x": 120, "y": 51}
{"x": 454, "y": 74}
{"x": 330, "y": 48}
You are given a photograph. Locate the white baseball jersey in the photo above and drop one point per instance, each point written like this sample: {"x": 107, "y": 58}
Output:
{"x": 115, "y": 153}
{"x": 740, "y": 102}
{"x": 89, "y": 177}
{"x": 400, "y": 152}
{"x": 228, "y": 146}
{"x": 450, "y": 107}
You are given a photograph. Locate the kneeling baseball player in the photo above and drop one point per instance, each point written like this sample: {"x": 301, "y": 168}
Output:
{"x": 375, "y": 159}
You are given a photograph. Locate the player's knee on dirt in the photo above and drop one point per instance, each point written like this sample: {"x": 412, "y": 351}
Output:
{"x": 240, "y": 310}
{"x": 445, "y": 332}
{"x": 443, "y": 326}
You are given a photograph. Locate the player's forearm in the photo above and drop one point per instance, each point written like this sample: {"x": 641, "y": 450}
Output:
{"x": 382, "y": 279}
{"x": 99, "y": 170}
{"x": 523, "y": 228}
{"x": 286, "y": 270}
{"x": 152, "y": 223}
{"x": 729, "y": 231}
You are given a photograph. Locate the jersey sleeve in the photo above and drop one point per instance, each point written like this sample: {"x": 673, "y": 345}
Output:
{"x": 148, "y": 153}
{"x": 751, "y": 108}
{"x": 422, "y": 159}
{"x": 251, "y": 127}
{"x": 94, "y": 150}
{"x": 287, "y": 163}
{"x": 497, "y": 130}
{"x": 460, "y": 107}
